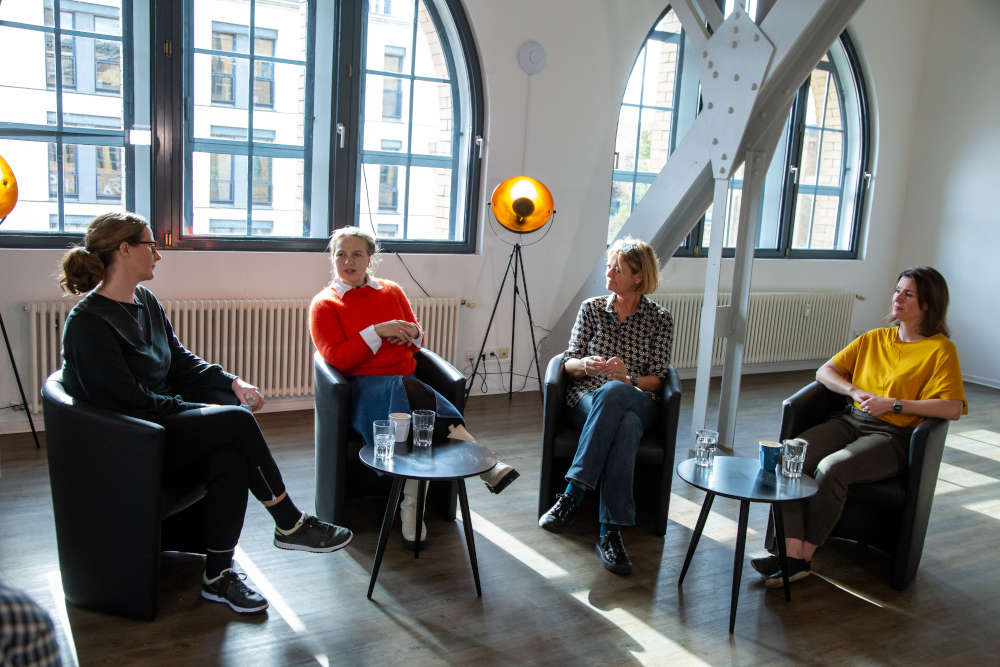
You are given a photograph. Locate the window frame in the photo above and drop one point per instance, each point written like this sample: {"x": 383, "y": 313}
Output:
{"x": 790, "y": 186}
{"x": 62, "y": 135}
{"x": 793, "y": 141}
{"x": 169, "y": 117}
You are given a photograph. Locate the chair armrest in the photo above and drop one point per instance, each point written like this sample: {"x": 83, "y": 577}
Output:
{"x": 670, "y": 395}
{"x": 106, "y": 474}
{"x": 331, "y": 396}
{"x": 924, "y": 462}
{"x": 553, "y": 398}
{"x": 807, "y": 407}
{"x": 433, "y": 369}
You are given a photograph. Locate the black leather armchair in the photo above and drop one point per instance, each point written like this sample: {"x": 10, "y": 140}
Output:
{"x": 891, "y": 514}
{"x": 339, "y": 473}
{"x": 113, "y": 512}
{"x": 655, "y": 461}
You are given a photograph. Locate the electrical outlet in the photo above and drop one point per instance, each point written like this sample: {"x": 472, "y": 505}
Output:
{"x": 502, "y": 353}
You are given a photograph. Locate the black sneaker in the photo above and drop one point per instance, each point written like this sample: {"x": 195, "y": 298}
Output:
{"x": 766, "y": 565}
{"x": 228, "y": 587}
{"x": 611, "y": 549}
{"x": 560, "y": 515}
{"x": 311, "y": 534}
{"x": 797, "y": 569}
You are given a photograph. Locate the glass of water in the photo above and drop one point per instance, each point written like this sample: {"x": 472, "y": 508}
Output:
{"x": 793, "y": 455}
{"x": 422, "y": 422}
{"x": 706, "y": 442}
{"x": 385, "y": 438}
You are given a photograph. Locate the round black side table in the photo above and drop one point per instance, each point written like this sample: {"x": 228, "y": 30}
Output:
{"x": 448, "y": 461}
{"x": 742, "y": 478}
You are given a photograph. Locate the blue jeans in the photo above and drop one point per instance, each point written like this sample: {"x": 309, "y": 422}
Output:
{"x": 375, "y": 396}
{"x": 611, "y": 420}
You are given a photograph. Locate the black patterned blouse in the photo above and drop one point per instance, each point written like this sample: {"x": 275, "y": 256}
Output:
{"x": 643, "y": 341}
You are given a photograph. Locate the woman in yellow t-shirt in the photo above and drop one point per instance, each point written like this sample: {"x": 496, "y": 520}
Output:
{"x": 897, "y": 376}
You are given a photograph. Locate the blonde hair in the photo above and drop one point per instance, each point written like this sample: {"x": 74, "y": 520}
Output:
{"x": 641, "y": 259}
{"x": 83, "y": 266}
{"x": 356, "y": 232}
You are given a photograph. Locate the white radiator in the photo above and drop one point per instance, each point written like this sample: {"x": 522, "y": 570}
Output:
{"x": 781, "y": 326}
{"x": 265, "y": 341}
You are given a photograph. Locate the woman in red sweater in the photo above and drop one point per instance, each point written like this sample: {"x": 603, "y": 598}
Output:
{"x": 364, "y": 327}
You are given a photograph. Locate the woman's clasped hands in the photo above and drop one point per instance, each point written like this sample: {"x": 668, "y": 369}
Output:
{"x": 613, "y": 368}
{"x": 399, "y": 332}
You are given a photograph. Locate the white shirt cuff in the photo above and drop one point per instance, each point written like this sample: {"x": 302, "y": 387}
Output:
{"x": 419, "y": 340}
{"x": 373, "y": 340}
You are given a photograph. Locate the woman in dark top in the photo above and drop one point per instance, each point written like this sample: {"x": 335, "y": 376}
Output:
{"x": 120, "y": 353}
{"x": 618, "y": 356}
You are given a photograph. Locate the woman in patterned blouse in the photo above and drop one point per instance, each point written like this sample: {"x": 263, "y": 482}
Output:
{"x": 617, "y": 358}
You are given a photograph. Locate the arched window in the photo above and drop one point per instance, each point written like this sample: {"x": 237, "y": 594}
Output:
{"x": 418, "y": 125}
{"x": 814, "y": 187}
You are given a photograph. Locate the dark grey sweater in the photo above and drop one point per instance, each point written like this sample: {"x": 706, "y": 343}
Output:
{"x": 126, "y": 358}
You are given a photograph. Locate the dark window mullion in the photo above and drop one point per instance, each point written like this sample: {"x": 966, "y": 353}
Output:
{"x": 819, "y": 153}
{"x": 251, "y": 103}
{"x": 793, "y": 156}
{"x": 409, "y": 124}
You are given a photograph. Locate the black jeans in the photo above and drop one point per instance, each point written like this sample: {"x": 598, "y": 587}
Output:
{"x": 223, "y": 447}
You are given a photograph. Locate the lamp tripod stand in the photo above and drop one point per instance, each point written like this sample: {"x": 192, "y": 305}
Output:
{"x": 17, "y": 376}
{"x": 516, "y": 262}
{"x": 520, "y": 204}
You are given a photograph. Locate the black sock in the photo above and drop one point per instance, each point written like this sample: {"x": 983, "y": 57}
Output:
{"x": 285, "y": 513}
{"x": 216, "y": 562}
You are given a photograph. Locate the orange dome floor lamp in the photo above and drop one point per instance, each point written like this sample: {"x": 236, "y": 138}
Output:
{"x": 8, "y": 198}
{"x": 522, "y": 205}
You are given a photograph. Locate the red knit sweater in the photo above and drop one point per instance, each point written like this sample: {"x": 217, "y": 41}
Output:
{"x": 336, "y": 324}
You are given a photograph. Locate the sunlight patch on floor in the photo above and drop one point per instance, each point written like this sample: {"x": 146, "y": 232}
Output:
{"x": 263, "y": 586}
{"x": 718, "y": 527}
{"x": 973, "y": 446}
{"x": 944, "y": 487}
{"x": 983, "y": 435}
{"x": 657, "y": 649}
{"x": 62, "y": 618}
{"x": 515, "y": 547}
{"x": 990, "y": 508}
{"x": 964, "y": 478}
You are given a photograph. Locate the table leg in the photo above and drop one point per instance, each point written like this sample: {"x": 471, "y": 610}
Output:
{"x": 779, "y": 533}
{"x": 463, "y": 499}
{"x": 706, "y": 507}
{"x": 383, "y": 536}
{"x": 421, "y": 492}
{"x": 741, "y": 542}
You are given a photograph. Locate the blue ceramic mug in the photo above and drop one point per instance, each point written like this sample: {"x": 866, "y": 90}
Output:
{"x": 770, "y": 454}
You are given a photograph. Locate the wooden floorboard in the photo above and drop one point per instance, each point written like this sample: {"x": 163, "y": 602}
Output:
{"x": 546, "y": 599}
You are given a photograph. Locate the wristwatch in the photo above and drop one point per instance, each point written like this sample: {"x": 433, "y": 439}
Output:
{"x": 631, "y": 380}
{"x": 897, "y": 407}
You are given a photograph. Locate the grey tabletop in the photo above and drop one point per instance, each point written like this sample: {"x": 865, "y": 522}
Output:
{"x": 742, "y": 478}
{"x": 450, "y": 460}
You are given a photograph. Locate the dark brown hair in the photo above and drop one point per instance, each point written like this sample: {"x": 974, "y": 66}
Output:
{"x": 83, "y": 266}
{"x": 932, "y": 295}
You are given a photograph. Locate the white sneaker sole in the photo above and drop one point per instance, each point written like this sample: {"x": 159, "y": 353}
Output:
{"x": 777, "y": 582}
{"x": 315, "y": 550}
{"x": 239, "y": 610}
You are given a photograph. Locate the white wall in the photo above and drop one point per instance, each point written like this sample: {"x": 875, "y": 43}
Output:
{"x": 950, "y": 217}
{"x": 559, "y": 127}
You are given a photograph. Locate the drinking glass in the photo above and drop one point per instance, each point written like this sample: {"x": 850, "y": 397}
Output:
{"x": 385, "y": 438}
{"x": 706, "y": 442}
{"x": 793, "y": 455}
{"x": 423, "y": 427}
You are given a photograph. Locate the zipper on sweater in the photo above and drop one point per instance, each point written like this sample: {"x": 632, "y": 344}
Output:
{"x": 269, "y": 489}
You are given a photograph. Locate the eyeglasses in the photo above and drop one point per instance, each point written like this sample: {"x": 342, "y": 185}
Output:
{"x": 149, "y": 244}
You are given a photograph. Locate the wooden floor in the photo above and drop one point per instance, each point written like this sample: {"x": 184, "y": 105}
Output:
{"x": 546, "y": 599}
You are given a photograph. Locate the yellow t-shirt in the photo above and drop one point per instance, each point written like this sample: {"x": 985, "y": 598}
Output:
{"x": 880, "y": 363}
